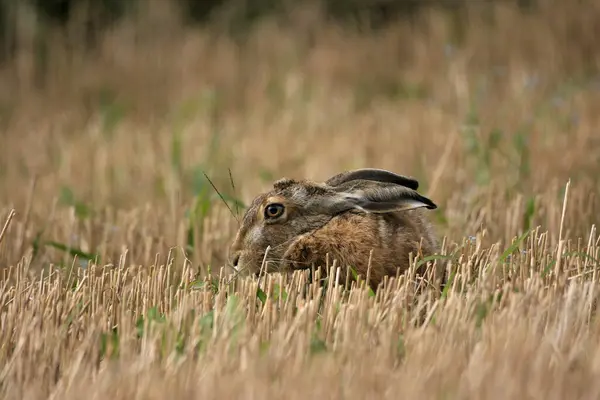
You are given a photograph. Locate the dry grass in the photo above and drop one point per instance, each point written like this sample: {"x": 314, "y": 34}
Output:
{"x": 103, "y": 156}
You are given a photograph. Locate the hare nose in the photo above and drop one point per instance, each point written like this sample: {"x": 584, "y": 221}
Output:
{"x": 236, "y": 260}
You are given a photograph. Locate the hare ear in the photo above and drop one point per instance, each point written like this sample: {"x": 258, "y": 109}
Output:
{"x": 373, "y": 174}
{"x": 383, "y": 200}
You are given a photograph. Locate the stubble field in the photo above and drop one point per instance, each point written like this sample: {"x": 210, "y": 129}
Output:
{"x": 114, "y": 281}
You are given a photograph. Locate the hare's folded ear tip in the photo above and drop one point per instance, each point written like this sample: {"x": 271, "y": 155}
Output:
{"x": 423, "y": 203}
{"x": 429, "y": 203}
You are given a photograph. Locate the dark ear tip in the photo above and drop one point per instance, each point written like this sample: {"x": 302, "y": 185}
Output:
{"x": 429, "y": 204}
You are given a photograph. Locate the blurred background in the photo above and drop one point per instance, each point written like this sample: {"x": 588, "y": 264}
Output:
{"x": 119, "y": 118}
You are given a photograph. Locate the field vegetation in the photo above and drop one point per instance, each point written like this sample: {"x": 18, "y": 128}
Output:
{"x": 125, "y": 166}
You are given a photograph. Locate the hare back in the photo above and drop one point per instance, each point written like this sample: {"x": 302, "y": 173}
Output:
{"x": 379, "y": 242}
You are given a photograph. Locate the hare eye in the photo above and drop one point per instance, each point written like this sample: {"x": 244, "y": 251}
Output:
{"x": 273, "y": 210}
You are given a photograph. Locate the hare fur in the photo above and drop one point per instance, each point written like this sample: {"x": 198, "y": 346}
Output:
{"x": 346, "y": 217}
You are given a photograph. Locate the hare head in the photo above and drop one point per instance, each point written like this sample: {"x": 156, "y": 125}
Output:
{"x": 362, "y": 218}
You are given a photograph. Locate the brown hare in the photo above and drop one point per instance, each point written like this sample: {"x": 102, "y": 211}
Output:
{"x": 346, "y": 217}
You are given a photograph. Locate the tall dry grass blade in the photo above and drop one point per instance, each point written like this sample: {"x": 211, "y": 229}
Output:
{"x": 9, "y": 218}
